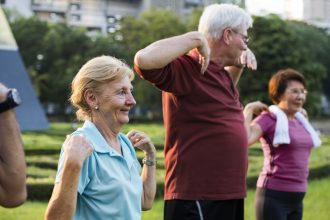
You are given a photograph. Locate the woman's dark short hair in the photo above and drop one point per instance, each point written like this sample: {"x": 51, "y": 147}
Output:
{"x": 279, "y": 82}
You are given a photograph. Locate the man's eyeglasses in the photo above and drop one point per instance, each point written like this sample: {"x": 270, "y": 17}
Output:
{"x": 243, "y": 37}
{"x": 297, "y": 92}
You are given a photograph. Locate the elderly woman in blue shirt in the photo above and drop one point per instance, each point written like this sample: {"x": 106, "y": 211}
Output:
{"x": 99, "y": 176}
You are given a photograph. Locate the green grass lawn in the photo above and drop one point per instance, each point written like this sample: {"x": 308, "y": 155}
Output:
{"x": 316, "y": 206}
{"x": 42, "y": 152}
{"x": 28, "y": 211}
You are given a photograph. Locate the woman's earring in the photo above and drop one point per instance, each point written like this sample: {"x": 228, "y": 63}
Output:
{"x": 96, "y": 108}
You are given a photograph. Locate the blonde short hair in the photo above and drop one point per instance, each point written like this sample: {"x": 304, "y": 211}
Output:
{"x": 92, "y": 75}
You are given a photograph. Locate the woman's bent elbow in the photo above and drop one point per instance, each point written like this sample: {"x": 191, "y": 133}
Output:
{"x": 15, "y": 199}
{"x": 147, "y": 207}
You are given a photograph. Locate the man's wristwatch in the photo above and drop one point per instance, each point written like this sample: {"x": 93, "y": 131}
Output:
{"x": 149, "y": 162}
{"x": 13, "y": 100}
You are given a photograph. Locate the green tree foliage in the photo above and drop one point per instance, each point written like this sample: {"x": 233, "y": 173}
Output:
{"x": 317, "y": 43}
{"x": 192, "y": 23}
{"x": 64, "y": 50}
{"x": 54, "y": 52}
{"x": 28, "y": 33}
{"x": 148, "y": 27}
{"x": 278, "y": 44}
{"x": 139, "y": 32}
{"x": 106, "y": 45}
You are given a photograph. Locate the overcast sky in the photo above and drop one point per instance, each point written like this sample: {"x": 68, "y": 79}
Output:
{"x": 292, "y": 8}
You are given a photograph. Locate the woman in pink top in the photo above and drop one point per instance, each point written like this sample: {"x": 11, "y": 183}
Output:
{"x": 282, "y": 182}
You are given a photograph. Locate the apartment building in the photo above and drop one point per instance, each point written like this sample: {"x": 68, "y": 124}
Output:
{"x": 97, "y": 15}
{"x": 317, "y": 12}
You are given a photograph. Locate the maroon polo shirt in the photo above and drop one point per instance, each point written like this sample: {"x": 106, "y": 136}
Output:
{"x": 205, "y": 138}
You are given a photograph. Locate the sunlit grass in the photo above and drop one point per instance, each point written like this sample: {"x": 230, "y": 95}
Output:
{"x": 315, "y": 206}
{"x": 28, "y": 211}
{"x": 154, "y": 130}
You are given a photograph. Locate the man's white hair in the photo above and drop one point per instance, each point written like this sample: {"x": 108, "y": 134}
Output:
{"x": 217, "y": 17}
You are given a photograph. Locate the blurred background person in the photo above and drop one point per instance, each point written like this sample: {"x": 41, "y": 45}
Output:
{"x": 287, "y": 138}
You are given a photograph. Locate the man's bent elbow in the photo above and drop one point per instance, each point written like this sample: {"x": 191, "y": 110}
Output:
{"x": 139, "y": 59}
{"x": 145, "y": 61}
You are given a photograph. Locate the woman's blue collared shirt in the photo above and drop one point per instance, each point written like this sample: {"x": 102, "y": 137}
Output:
{"x": 110, "y": 186}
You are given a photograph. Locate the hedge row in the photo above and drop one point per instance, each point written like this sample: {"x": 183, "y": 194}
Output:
{"x": 43, "y": 191}
{"x": 44, "y": 165}
{"x": 30, "y": 152}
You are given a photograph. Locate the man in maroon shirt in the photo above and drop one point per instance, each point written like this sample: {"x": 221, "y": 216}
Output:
{"x": 205, "y": 139}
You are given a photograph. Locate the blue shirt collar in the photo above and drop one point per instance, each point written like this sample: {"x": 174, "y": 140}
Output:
{"x": 101, "y": 146}
{"x": 94, "y": 135}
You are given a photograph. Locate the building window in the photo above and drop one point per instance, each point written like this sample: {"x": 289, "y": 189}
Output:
{"x": 111, "y": 29}
{"x": 41, "y": 2}
{"x": 56, "y": 17}
{"x": 75, "y": 6}
{"x": 193, "y": 3}
{"x": 119, "y": 37}
{"x": 113, "y": 23}
{"x": 111, "y": 19}
{"x": 118, "y": 26}
{"x": 75, "y": 17}
{"x": 118, "y": 17}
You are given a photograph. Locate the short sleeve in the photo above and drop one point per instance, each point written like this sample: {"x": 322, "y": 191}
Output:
{"x": 176, "y": 77}
{"x": 60, "y": 167}
{"x": 84, "y": 176}
{"x": 266, "y": 121}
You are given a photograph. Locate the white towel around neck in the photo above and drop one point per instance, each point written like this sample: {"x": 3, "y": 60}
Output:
{"x": 282, "y": 136}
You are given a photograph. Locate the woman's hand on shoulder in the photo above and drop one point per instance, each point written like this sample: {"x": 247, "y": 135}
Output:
{"x": 256, "y": 107}
{"x": 77, "y": 148}
{"x": 141, "y": 140}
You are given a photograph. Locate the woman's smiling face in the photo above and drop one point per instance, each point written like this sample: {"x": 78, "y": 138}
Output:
{"x": 293, "y": 98}
{"x": 115, "y": 101}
